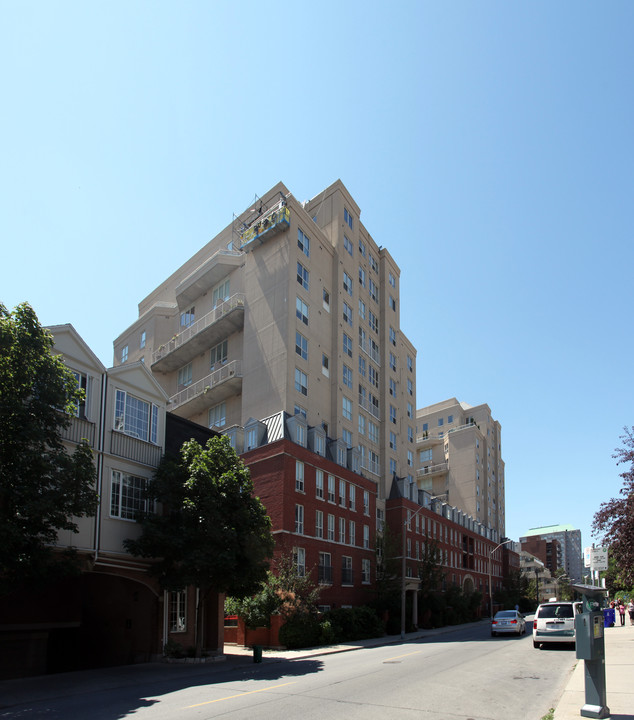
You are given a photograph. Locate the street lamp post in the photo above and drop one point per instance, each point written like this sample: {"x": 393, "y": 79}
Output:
{"x": 490, "y": 560}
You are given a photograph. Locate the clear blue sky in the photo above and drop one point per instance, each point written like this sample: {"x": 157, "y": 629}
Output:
{"x": 488, "y": 144}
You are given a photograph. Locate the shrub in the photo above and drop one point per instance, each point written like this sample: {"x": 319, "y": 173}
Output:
{"x": 300, "y": 631}
{"x": 356, "y": 623}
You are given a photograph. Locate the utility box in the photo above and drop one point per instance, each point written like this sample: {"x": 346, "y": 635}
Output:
{"x": 589, "y": 638}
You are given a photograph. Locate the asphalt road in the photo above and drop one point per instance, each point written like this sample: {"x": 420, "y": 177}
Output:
{"x": 464, "y": 675}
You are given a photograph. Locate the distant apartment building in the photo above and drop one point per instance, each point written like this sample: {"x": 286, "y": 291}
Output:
{"x": 569, "y": 551}
{"x": 459, "y": 458}
{"x": 548, "y": 551}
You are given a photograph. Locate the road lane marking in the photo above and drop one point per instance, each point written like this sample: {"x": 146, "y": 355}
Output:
{"x": 231, "y": 697}
{"x": 418, "y": 652}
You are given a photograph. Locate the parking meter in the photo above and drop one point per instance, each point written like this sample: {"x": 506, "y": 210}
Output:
{"x": 590, "y": 647}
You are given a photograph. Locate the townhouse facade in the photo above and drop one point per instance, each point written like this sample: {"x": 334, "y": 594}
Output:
{"x": 459, "y": 457}
{"x": 114, "y": 612}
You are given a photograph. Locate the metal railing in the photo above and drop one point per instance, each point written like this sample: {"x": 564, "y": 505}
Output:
{"x": 220, "y": 311}
{"x": 232, "y": 369}
{"x": 431, "y": 469}
{"x": 135, "y": 449}
{"x": 366, "y": 405}
{"x": 78, "y": 430}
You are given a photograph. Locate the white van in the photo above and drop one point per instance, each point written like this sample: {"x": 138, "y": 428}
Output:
{"x": 554, "y": 622}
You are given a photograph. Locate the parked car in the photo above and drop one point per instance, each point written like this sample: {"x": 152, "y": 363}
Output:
{"x": 508, "y": 621}
{"x": 554, "y": 622}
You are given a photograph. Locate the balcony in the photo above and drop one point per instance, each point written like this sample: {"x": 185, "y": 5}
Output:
{"x": 372, "y": 352}
{"x": 132, "y": 448}
{"x": 427, "y": 439}
{"x": 265, "y": 226}
{"x": 78, "y": 430}
{"x": 215, "y": 326}
{"x": 430, "y": 470}
{"x": 211, "y": 390}
{"x": 366, "y": 405}
{"x": 207, "y": 275}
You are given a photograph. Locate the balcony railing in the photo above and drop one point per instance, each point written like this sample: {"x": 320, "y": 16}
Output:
{"x": 207, "y": 387}
{"x": 197, "y": 330}
{"x": 132, "y": 448}
{"x": 269, "y": 223}
{"x": 432, "y": 469}
{"x": 366, "y": 405}
{"x": 369, "y": 350}
{"x": 78, "y": 430}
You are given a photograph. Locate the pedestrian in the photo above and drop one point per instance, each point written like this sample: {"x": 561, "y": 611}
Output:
{"x": 630, "y": 610}
{"x": 621, "y": 611}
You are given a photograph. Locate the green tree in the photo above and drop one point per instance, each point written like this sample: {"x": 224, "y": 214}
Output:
{"x": 614, "y": 521}
{"x": 213, "y": 532}
{"x": 43, "y": 489}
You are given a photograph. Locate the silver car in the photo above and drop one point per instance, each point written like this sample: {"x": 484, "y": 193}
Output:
{"x": 508, "y": 621}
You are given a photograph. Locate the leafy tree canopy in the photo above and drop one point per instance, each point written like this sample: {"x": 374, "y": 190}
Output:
{"x": 213, "y": 534}
{"x": 43, "y": 489}
{"x": 614, "y": 522}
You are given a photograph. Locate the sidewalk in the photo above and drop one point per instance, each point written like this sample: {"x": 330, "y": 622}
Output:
{"x": 619, "y": 651}
{"x": 619, "y": 678}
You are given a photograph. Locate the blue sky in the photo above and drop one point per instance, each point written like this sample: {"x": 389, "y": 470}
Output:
{"x": 488, "y": 144}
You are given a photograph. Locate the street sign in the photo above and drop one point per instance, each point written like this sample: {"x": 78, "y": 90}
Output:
{"x": 599, "y": 559}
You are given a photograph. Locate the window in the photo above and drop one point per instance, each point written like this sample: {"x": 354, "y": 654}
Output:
{"x": 324, "y": 570}
{"x": 361, "y": 424}
{"x": 352, "y": 540}
{"x": 299, "y": 519}
{"x": 365, "y": 570}
{"x": 361, "y": 276}
{"x": 301, "y": 382}
{"x": 188, "y": 317}
{"x": 373, "y": 322}
{"x": 177, "y": 612}
{"x": 142, "y": 341}
{"x": 392, "y": 440}
{"x": 373, "y": 376}
{"x": 331, "y": 488}
{"x": 393, "y": 362}
{"x": 393, "y": 414}
{"x": 299, "y": 410}
{"x": 347, "y": 218}
{"x": 299, "y": 476}
{"x": 347, "y": 283}
{"x": 373, "y": 263}
{"x": 373, "y": 432}
{"x": 361, "y": 310}
{"x": 302, "y": 276}
{"x": 392, "y": 387}
{"x": 325, "y": 365}
{"x": 366, "y": 502}
{"x": 366, "y": 536}
{"x": 303, "y": 242}
{"x": 301, "y": 310}
{"x": 342, "y": 493}
{"x": 82, "y": 384}
{"x": 425, "y": 427}
{"x": 346, "y": 435}
{"x": 450, "y": 418}
{"x": 326, "y": 300}
{"x": 410, "y": 458}
{"x": 362, "y": 249}
{"x": 410, "y": 434}
{"x": 319, "y": 524}
{"x": 220, "y": 293}
{"x": 218, "y": 355}
{"x": 391, "y": 279}
{"x": 410, "y": 387}
{"x": 347, "y": 345}
{"x": 393, "y": 336}
{"x": 218, "y": 415}
{"x": 441, "y": 422}
{"x": 347, "y": 313}
{"x": 347, "y": 245}
{"x": 185, "y": 376}
{"x": 352, "y": 497}
{"x": 319, "y": 484}
{"x": 410, "y": 364}
{"x": 347, "y": 376}
{"x": 362, "y": 366}
{"x": 127, "y": 496}
{"x": 331, "y": 527}
{"x": 299, "y": 561}
{"x": 346, "y": 406}
{"x": 301, "y": 346}
{"x": 136, "y": 417}
{"x": 373, "y": 290}
{"x": 124, "y": 354}
{"x": 392, "y": 466}
{"x": 392, "y": 303}
{"x": 342, "y": 531}
{"x": 346, "y": 570}
{"x": 252, "y": 438}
